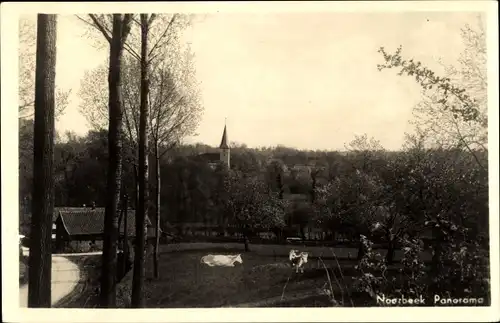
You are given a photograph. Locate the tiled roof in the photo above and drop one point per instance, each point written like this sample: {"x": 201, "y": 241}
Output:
{"x": 71, "y": 209}
{"x": 78, "y": 221}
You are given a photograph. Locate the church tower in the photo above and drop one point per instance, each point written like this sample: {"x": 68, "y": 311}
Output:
{"x": 224, "y": 149}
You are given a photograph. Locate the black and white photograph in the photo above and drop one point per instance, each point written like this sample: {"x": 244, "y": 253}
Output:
{"x": 241, "y": 158}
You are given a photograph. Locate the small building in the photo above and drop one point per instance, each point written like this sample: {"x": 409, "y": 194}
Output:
{"x": 222, "y": 157}
{"x": 85, "y": 224}
{"x": 212, "y": 159}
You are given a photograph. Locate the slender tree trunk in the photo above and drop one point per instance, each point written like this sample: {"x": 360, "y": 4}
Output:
{"x": 437, "y": 250}
{"x": 109, "y": 257}
{"x": 247, "y": 242}
{"x": 246, "y": 239}
{"x": 389, "y": 257}
{"x": 136, "y": 187}
{"x": 120, "y": 218}
{"x": 126, "y": 253}
{"x": 40, "y": 259}
{"x": 361, "y": 250}
{"x": 124, "y": 238}
{"x": 139, "y": 261}
{"x": 157, "y": 204}
{"x": 302, "y": 232}
{"x": 280, "y": 185}
{"x": 313, "y": 189}
{"x": 279, "y": 180}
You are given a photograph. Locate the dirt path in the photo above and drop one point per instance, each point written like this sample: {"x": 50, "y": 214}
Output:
{"x": 65, "y": 277}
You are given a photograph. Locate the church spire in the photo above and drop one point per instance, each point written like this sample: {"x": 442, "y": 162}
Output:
{"x": 223, "y": 143}
{"x": 224, "y": 149}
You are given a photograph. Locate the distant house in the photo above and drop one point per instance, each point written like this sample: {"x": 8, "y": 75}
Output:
{"x": 212, "y": 159}
{"x": 222, "y": 157}
{"x": 87, "y": 224}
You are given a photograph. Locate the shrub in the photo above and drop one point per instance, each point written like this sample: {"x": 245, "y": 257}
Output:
{"x": 465, "y": 272}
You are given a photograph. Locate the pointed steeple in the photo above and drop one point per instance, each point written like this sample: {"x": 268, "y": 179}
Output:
{"x": 223, "y": 143}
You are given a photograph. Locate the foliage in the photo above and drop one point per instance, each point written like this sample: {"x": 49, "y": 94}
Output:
{"x": 175, "y": 109}
{"x": 25, "y": 158}
{"x": 453, "y": 98}
{"x": 453, "y": 111}
{"x": 466, "y": 273}
{"x": 412, "y": 181}
{"x": 174, "y": 97}
{"x": 372, "y": 270}
{"x": 467, "y": 270}
{"x": 249, "y": 205}
{"x": 375, "y": 278}
{"x": 352, "y": 200}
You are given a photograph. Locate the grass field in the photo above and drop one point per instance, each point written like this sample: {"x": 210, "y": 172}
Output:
{"x": 258, "y": 282}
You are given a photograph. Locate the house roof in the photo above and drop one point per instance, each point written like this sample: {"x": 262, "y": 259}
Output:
{"x": 211, "y": 157}
{"x": 88, "y": 221}
{"x": 66, "y": 209}
{"x": 223, "y": 143}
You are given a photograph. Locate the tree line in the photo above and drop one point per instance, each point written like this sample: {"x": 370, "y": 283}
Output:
{"x": 362, "y": 183}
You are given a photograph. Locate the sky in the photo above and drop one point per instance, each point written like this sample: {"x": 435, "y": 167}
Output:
{"x": 305, "y": 80}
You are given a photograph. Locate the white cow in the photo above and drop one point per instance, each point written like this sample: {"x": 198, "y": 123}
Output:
{"x": 298, "y": 259}
{"x": 221, "y": 260}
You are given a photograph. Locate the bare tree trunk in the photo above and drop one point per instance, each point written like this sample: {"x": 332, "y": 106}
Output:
{"x": 280, "y": 185}
{"x": 247, "y": 243}
{"x": 157, "y": 204}
{"x": 120, "y": 218}
{"x": 313, "y": 188}
{"x": 246, "y": 238}
{"x": 40, "y": 259}
{"x": 436, "y": 262}
{"x": 361, "y": 250}
{"x": 123, "y": 218}
{"x": 138, "y": 278}
{"x": 126, "y": 252}
{"x": 109, "y": 257}
{"x": 136, "y": 188}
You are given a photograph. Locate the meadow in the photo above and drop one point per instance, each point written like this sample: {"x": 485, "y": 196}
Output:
{"x": 264, "y": 279}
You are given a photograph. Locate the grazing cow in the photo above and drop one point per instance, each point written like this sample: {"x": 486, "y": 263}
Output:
{"x": 221, "y": 260}
{"x": 298, "y": 259}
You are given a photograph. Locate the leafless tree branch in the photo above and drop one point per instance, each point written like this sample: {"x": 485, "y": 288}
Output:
{"x": 97, "y": 24}
{"x": 153, "y": 48}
